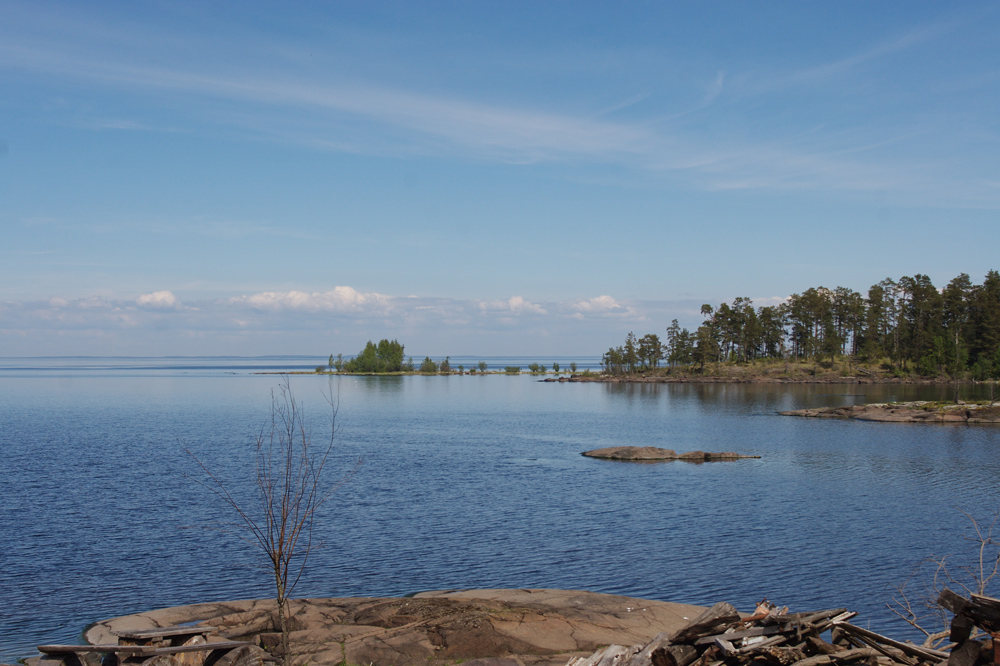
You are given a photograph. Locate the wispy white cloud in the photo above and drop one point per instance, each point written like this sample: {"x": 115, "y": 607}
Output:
{"x": 303, "y": 322}
{"x": 158, "y": 300}
{"x": 508, "y": 132}
{"x": 342, "y": 303}
{"x": 888, "y": 47}
{"x": 339, "y": 299}
{"x": 312, "y": 106}
{"x": 515, "y": 304}
{"x": 603, "y": 303}
{"x": 715, "y": 88}
{"x": 768, "y": 301}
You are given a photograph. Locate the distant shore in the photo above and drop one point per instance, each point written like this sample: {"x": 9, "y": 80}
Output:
{"x": 754, "y": 379}
{"x": 734, "y": 377}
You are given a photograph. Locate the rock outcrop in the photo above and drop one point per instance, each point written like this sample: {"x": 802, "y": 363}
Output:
{"x": 479, "y": 627}
{"x": 906, "y": 412}
{"x": 654, "y": 454}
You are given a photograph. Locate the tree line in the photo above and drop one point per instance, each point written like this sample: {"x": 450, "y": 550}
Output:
{"x": 908, "y": 324}
{"x": 387, "y": 357}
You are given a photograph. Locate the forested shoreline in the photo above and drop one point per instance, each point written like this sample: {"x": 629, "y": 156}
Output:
{"x": 904, "y": 327}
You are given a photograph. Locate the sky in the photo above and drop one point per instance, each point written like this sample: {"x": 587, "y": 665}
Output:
{"x": 491, "y": 178}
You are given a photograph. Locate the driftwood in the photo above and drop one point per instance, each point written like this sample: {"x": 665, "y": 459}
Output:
{"x": 771, "y": 636}
{"x": 977, "y": 611}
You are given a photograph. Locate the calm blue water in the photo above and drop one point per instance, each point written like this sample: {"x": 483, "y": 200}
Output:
{"x": 467, "y": 482}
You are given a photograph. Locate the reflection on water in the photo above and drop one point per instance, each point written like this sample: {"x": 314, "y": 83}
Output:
{"x": 380, "y": 385}
{"x": 797, "y": 396}
{"x": 476, "y": 482}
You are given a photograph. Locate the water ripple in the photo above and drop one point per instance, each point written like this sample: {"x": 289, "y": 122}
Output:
{"x": 473, "y": 484}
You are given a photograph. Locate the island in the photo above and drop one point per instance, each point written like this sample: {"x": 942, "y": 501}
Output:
{"x": 919, "y": 411}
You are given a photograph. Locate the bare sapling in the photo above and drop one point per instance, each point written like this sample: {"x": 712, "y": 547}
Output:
{"x": 293, "y": 479}
{"x": 916, "y": 600}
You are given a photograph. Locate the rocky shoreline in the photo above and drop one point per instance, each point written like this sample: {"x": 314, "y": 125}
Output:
{"x": 907, "y": 412}
{"x": 750, "y": 379}
{"x": 521, "y": 627}
{"x": 513, "y": 627}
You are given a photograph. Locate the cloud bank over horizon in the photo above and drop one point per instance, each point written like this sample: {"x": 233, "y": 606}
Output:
{"x": 334, "y": 321}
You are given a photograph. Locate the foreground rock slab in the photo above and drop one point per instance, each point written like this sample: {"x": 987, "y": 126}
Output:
{"x": 653, "y": 454}
{"x": 906, "y": 412}
{"x": 531, "y": 627}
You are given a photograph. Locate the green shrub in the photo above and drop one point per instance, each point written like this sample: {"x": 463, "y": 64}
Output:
{"x": 512, "y": 369}
{"x": 428, "y": 366}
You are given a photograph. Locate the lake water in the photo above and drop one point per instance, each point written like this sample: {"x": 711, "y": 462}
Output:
{"x": 468, "y": 482}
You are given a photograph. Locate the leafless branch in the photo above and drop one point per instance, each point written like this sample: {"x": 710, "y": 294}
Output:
{"x": 915, "y": 600}
{"x": 292, "y": 484}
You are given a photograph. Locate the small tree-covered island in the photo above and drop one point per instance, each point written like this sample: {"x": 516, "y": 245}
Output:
{"x": 387, "y": 358}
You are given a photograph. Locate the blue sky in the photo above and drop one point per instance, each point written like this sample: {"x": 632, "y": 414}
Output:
{"x": 476, "y": 177}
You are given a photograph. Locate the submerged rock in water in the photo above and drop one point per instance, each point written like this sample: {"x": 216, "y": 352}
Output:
{"x": 652, "y": 454}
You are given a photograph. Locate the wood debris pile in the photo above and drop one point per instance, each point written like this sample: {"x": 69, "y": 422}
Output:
{"x": 773, "y": 637}
{"x": 979, "y": 612}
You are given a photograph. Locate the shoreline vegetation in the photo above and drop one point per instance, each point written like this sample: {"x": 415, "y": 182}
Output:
{"x": 903, "y": 331}
{"x": 906, "y": 330}
{"x": 388, "y": 358}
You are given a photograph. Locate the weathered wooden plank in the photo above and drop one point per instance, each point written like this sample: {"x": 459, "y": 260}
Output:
{"x": 719, "y": 615}
{"x": 986, "y": 611}
{"x": 953, "y": 602}
{"x": 645, "y": 655}
{"x": 809, "y": 618}
{"x": 197, "y": 647}
{"x": 766, "y": 643}
{"x": 141, "y": 650}
{"x": 906, "y": 648}
{"x": 674, "y": 655}
{"x": 961, "y": 629}
{"x": 660, "y": 652}
{"x": 892, "y": 653}
{"x": 743, "y": 633}
{"x": 110, "y": 647}
{"x": 725, "y": 646}
{"x": 819, "y": 646}
{"x": 965, "y": 654}
{"x": 854, "y": 654}
{"x": 612, "y": 654}
{"x": 164, "y": 632}
{"x": 618, "y": 656}
{"x": 987, "y": 602}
